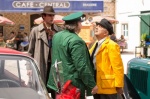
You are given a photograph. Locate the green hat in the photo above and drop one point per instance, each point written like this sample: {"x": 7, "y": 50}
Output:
{"x": 73, "y": 16}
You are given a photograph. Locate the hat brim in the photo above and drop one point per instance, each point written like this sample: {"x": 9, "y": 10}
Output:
{"x": 73, "y": 16}
{"x": 48, "y": 13}
{"x": 97, "y": 23}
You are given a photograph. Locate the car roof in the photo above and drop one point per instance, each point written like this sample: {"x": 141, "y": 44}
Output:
{"x": 9, "y": 51}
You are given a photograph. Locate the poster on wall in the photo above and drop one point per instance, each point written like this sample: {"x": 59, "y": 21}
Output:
{"x": 58, "y": 5}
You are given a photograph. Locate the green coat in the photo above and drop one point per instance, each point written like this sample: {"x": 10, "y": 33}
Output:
{"x": 72, "y": 51}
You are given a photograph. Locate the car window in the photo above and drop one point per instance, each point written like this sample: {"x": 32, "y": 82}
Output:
{"x": 20, "y": 72}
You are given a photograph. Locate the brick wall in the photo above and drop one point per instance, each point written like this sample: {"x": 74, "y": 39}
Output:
{"x": 109, "y": 9}
{"x": 19, "y": 18}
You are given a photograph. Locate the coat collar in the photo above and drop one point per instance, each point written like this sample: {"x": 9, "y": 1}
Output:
{"x": 42, "y": 34}
{"x": 104, "y": 44}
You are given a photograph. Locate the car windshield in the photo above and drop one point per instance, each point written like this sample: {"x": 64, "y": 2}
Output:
{"x": 20, "y": 72}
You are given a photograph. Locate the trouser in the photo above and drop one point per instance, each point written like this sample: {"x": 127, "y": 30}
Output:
{"x": 53, "y": 93}
{"x": 18, "y": 44}
{"x": 105, "y": 96}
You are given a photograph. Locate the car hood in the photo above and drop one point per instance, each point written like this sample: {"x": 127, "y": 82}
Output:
{"x": 18, "y": 93}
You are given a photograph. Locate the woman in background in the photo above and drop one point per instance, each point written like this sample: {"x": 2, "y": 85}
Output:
{"x": 25, "y": 42}
{"x": 122, "y": 42}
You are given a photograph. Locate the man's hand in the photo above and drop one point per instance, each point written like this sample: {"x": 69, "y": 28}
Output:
{"x": 94, "y": 90}
{"x": 119, "y": 90}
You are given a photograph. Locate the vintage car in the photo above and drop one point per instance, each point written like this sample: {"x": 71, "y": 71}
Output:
{"x": 20, "y": 77}
{"x": 137, "y": 79}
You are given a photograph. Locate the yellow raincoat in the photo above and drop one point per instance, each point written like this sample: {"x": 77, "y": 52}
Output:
{"x": 109, "y": 67}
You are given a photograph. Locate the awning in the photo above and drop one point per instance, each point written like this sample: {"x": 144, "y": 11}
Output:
{"x": 58, "y": 5}
{"x": 99, "y": 18}
{"x": 5, "y": 21}
{"x": 139, "y": 15}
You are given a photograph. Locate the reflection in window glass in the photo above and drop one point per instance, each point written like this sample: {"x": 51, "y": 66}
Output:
{"x": 18, "y": 70}
{"x": 23, "y": 71}
{"x": 11, "y": 67}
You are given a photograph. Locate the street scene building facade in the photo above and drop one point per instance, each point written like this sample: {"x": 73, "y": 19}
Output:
{"x": 131, "y": 23}
{"x": 23, "y": 13}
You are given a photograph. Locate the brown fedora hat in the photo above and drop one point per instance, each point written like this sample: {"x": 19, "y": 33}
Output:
{"x": 48, "y": 10}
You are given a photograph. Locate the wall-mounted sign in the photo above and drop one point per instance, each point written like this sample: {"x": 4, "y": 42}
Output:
{"x": 29, "y": 4}
{"x": 21, "y": 27}
{"x": 59, "y": 5}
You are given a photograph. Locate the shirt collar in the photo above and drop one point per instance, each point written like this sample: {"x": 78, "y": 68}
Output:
{"x": 47, "y": 26}
{"x": 101, "y": 41}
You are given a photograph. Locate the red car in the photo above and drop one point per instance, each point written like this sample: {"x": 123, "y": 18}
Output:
{"x": 20, "y": 77}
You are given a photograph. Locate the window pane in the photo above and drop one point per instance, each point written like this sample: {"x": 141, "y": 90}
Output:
{"x": 125, "y": 29}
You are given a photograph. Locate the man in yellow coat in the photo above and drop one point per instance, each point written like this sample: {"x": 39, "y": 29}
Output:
{"x": 109, "y": 72}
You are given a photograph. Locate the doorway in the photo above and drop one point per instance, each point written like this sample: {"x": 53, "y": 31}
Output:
{"x": 32, "y": 18}
{"x": 1, "y": 27}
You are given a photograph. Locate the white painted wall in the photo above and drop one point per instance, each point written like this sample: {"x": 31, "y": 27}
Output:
{"x": 146, "y": 5}
{"x": 124, "y": 8}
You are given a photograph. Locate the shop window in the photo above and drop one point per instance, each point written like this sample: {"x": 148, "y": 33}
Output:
{"x": 125, "y": 29}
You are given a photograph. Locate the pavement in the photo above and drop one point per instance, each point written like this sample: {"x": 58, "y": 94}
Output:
{"x": 127, "y": 55}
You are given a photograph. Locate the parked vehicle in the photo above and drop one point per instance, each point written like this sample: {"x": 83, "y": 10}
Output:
{"x": 137, "y": 80}
{"x": 20, "y": 77}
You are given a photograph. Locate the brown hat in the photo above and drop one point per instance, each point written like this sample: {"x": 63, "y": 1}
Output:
{"x": 48, "y": 10}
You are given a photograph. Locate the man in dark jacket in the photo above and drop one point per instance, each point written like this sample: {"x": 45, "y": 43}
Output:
{"x": 72, "y": 51}
{"x": 19, "y": 39}
{"x": 113, "y": 37}
{"x": 40, "y": 40}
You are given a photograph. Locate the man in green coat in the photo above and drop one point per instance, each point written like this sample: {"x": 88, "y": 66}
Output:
{"x": 71, "y": 50}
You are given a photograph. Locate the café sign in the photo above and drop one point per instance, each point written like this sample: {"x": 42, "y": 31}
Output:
{"x": 35, "y": 4}
{"x": 59, "y": 5}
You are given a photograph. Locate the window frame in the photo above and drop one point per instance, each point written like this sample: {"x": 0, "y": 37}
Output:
{"x": 125, "y": 29}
